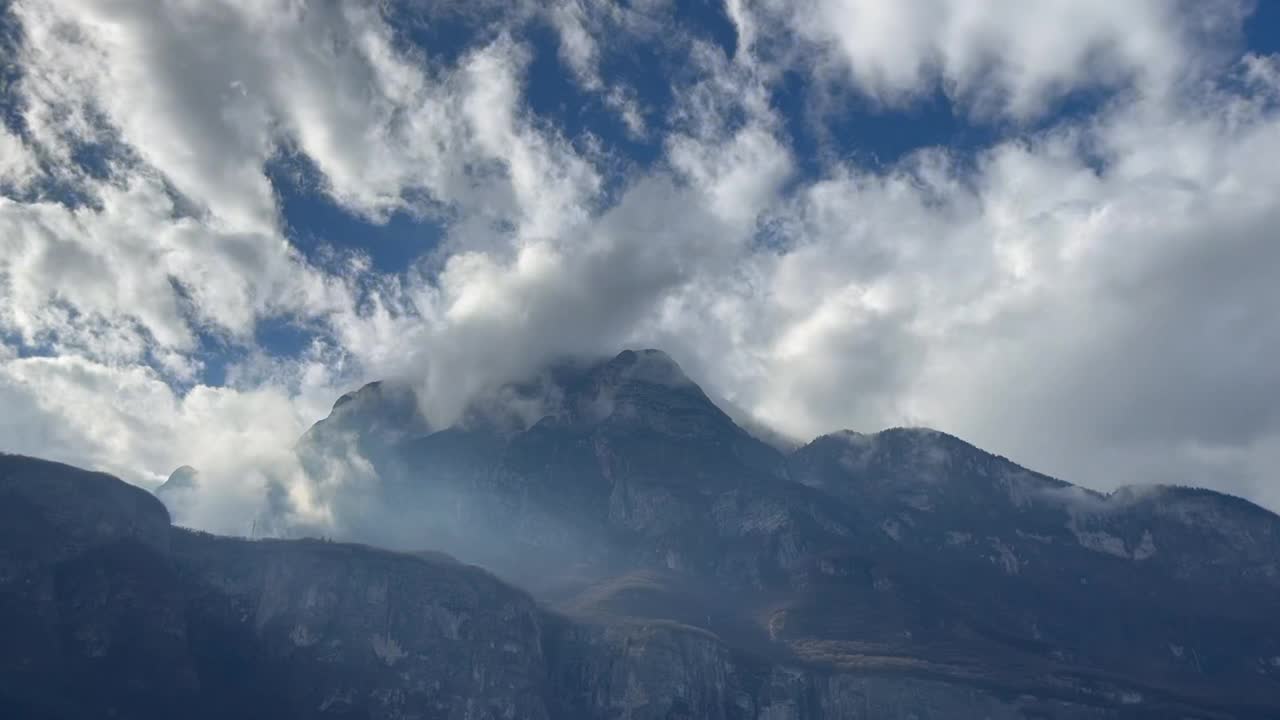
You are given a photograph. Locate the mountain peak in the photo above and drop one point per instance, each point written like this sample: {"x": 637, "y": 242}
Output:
{"x": 386, "y": 407}
{"x": 364, "y": 391}
{"x": 645, "y": 386}
{"x": 574, "y": 375}
{"x": 183, "y": 478}
{"x": 649, "y": 365}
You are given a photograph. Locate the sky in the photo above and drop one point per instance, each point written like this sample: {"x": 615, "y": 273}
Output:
{"x": 1049, "y": 228}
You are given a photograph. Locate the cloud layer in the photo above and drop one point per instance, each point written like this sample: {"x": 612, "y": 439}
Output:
{"x": 1090, "y": 292}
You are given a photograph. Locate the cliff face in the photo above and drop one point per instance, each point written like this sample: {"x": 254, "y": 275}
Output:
{"x": 653, "y": 671}
{"x": 108, "y": 611}
{"x": 676, "y": 567}
{"x": 1131, "y": 583}
{"x": 328, "y": 629}
{"x": 621, "y": 490}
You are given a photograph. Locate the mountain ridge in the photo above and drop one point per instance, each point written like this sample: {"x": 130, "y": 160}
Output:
{"x": 206, "y": 626}
{"x": 928, "y": 518}
{"x": 632, "y": 509}
{"x": 626, "y": 356}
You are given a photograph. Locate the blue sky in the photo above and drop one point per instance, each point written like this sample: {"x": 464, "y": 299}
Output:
{"x": 1041, "y": 226}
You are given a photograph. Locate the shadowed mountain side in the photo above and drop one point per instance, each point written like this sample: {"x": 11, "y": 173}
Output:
{"x": 616, "y": 490}
{"x": 107, "y": 612}
{"x": 1132, "y": 579}
{"x": 566, "y": 477}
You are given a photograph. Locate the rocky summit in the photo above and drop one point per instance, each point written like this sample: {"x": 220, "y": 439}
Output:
{"x": 601, "y": 541}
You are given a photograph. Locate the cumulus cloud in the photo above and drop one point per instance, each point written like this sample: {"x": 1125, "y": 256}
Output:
{"x": 582, "y": 29}
{"x": 16, "y": 163}
{"x": 1089, "y": 293}
{"x": 587, "y": 293}
{"x": 127, "y": 277}
{"x": 130, "y": 422}
{"x": 1004, "y": 57}
{"x": 1091, "y": 299}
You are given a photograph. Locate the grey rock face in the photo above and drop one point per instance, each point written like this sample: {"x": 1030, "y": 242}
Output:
{"x": 906, "y": 551}
{"x": 348, "y": 630}
{"x": 205, "y": 627}
{"x": 679, "y": 568}
{"x": 138, "y": 619}
{"x": 83, "y": 509}
{"x": 1120, "y": 582}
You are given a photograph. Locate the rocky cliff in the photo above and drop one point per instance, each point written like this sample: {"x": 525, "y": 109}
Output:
{"x": 109, "y": 612}
{"x": 672, "y": 566}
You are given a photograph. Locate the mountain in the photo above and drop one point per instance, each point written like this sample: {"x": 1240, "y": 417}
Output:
{"x": 672, "y": 566}
{"x": 108, "y": 611}
{"x": 571, "y": 475}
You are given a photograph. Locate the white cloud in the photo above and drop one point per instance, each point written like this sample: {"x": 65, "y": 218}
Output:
{"x": 1106, "y": 323}
{"x": 130, "y": 422}
{"x": 17, "y": 165}
{"x": 206, "y": 93}
{"x": 203, "y": 95}
{"x": 127, "y": 276}
{"x": 577, "y": 45}
{"x": 170, "y": 97}
{"x": 1005, "y": 56}
{"x": 547, "y": 180}
{"x": 587, "y": 31}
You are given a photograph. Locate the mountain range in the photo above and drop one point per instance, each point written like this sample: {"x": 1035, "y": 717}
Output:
{"x": 600, "y": 540}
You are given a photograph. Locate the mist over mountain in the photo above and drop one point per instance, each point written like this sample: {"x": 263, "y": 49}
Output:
{"x": 675, "y": 565}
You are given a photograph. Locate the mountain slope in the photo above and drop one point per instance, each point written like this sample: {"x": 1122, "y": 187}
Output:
{"x": 617, "y": 488}
{"x": 109, "y": 612}
{"x": 678, "y": 568}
